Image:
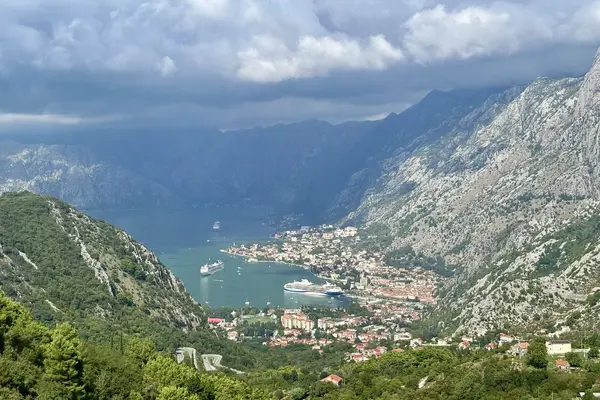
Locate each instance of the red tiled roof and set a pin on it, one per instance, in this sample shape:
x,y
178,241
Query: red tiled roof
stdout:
x,y
562,363
332,378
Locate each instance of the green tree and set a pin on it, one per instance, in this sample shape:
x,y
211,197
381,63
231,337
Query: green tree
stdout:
x,y
141,350
63,363
593,352
574,359
164,371
176,393
537,354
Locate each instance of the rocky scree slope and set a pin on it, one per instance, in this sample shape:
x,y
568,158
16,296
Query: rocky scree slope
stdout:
x,y
65,265
513,169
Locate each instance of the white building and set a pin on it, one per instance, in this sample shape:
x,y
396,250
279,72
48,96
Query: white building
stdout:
x,y
558,347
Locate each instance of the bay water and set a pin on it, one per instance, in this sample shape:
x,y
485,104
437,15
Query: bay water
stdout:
x,y
184,240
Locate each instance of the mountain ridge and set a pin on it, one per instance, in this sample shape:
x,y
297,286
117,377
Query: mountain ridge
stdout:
x,y
65,265
471,176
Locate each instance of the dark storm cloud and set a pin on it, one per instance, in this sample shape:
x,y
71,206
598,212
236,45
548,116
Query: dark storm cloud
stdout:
x,y
246,62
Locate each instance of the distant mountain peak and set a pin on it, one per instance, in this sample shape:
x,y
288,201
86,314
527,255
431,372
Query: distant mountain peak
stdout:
x,y
589,94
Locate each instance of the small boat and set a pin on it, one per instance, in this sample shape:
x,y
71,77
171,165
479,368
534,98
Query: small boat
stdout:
x,y
247,303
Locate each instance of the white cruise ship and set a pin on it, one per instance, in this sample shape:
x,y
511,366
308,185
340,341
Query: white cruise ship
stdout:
x,y
209,269
309,288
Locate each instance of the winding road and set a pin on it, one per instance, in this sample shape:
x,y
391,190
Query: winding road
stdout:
x,y
191,353
211,362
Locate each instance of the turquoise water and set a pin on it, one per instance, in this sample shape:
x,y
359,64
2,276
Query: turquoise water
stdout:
x,y
184,240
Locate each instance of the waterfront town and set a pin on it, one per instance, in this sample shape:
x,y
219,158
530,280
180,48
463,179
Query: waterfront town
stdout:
x,y
390,299
381,329
335,254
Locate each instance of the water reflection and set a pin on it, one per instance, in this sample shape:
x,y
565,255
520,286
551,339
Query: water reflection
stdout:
x,y
292,300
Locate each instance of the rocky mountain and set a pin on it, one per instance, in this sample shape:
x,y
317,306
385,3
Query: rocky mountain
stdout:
x,y
502,195
276,167
475,178
313,167
77,174
65,265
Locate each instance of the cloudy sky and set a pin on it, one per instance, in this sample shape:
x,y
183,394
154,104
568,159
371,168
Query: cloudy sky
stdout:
x,y
239,63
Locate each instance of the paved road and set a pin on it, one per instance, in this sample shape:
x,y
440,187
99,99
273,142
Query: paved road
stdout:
x,y
192,354
213,361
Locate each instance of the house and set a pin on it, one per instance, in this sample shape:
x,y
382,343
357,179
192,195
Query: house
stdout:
x,y
519,349
558,347
215,321
490,346
561,365
463,345
467,339
504,338
333,379
398,337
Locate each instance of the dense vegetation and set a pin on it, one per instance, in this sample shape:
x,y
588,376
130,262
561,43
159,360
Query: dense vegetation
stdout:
x,y
86,339
55,364
38,362
57,285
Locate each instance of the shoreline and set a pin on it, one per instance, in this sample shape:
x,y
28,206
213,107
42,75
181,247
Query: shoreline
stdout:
x,y
306,267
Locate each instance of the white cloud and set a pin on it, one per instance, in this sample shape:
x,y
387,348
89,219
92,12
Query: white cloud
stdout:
x,y
210,8
439,34
584,26
167,66
269,59
83,57
55,119
314,37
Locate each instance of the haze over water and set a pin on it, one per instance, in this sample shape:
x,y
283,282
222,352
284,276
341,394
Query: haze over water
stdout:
x,y
184,240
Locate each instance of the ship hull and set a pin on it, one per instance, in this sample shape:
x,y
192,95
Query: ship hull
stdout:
x,y
209,273
207,270
311,293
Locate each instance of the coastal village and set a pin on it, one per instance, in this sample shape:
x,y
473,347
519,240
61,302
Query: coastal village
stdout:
x,y
390,298
335,254
381,330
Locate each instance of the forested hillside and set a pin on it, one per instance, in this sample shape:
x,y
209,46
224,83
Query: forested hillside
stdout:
x,y
41,363
66,266
106,316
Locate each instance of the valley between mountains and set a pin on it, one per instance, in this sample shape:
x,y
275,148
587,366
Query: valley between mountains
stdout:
x,y
503,184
